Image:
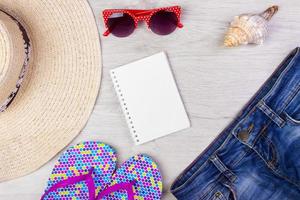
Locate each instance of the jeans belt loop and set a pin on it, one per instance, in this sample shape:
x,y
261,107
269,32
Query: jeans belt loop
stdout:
x,y
222,168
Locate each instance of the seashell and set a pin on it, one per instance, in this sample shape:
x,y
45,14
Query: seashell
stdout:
x,y
249,28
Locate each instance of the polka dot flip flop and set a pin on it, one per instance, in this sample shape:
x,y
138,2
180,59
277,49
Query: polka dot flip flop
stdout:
x,y
81,172
137,179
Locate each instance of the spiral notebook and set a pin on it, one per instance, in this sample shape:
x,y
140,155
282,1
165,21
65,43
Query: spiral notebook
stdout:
x,y
149,98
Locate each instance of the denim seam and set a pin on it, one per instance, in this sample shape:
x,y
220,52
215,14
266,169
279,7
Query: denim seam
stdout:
x,y
291,119
240,158
191,177
211,188
223,144
231,188
290,98
275,171
222,168
234,193
274,152
296,183
246,144
296,90
271,114
207,191
274,161
261,132
290,64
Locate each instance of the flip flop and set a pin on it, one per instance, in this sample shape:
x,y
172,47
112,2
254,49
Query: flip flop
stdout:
x,y
81,172
137,179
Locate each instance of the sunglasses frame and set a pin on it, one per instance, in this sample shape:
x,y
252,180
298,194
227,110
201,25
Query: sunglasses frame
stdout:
x,y
141,15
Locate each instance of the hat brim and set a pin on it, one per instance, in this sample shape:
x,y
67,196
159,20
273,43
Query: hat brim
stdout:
x,y
61,86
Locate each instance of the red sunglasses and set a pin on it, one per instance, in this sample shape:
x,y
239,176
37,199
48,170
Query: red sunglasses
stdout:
x,y
122,22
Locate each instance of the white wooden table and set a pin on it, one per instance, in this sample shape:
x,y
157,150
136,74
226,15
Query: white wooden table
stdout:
x,y
214,82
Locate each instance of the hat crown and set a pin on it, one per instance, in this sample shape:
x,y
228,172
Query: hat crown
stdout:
x,y
12,55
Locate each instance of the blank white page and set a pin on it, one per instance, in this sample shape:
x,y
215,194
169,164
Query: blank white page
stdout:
x,y
150,99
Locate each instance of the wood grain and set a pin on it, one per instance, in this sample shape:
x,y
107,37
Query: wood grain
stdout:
x,y
214,82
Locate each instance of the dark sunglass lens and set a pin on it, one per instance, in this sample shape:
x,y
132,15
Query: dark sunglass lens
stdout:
x,y
120,24
163,22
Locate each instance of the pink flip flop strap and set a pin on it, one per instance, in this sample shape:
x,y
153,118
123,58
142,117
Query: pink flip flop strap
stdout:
x,y
73,180
91,186
120,186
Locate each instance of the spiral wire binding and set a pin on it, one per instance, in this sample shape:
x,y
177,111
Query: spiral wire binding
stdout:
x,y
125,106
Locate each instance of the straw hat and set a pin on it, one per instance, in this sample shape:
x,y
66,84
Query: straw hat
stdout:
x,y
50,71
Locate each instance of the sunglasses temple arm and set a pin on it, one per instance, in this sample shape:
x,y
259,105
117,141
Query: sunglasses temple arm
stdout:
x,y
106,33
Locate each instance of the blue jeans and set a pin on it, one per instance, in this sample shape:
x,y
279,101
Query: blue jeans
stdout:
x,y
257,156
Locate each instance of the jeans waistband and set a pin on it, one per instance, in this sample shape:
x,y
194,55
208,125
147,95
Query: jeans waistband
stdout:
x,y
287,84
271,100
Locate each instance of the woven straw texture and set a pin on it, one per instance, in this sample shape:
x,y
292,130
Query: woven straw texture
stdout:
x,y
60,88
